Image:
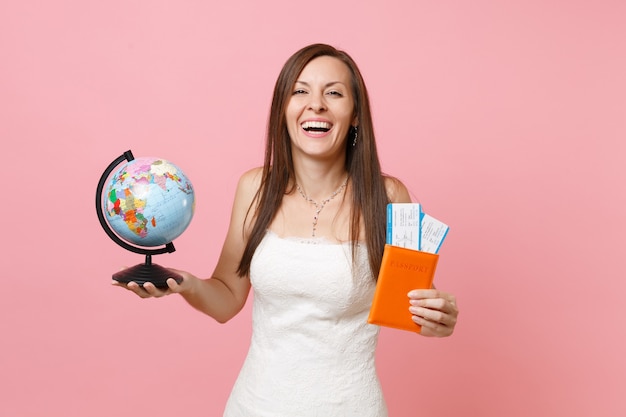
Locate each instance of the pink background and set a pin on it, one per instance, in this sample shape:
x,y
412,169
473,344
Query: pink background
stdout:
x,y
507,120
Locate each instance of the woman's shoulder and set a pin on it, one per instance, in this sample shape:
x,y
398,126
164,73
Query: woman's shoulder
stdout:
x,y
248,186
247,190
250,180
396,190
252,174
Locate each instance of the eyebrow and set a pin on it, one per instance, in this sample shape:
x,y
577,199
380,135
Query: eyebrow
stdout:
x,y
330,84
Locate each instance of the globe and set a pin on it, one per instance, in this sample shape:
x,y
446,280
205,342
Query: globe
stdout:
x,y
142,204
149,202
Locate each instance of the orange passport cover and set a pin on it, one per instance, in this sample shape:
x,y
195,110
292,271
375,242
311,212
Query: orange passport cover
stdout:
x,y
401,271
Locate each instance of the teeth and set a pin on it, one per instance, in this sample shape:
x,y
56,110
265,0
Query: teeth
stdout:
x,y
316,125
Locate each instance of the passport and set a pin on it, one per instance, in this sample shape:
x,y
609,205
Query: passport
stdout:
x,y
401,271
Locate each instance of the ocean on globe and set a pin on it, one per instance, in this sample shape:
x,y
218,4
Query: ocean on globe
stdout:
x,y
148,202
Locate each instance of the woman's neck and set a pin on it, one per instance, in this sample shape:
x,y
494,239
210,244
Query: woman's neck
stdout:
x,y
318,181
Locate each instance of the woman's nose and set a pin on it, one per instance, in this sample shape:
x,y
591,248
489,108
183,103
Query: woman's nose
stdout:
x,y
317,103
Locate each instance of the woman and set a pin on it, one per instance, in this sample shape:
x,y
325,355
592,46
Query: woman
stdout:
x,y
307,232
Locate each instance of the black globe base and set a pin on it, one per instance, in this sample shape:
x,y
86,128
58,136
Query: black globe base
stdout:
x,y
147,272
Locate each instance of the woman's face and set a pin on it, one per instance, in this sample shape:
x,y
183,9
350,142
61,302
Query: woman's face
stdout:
x,y
320,110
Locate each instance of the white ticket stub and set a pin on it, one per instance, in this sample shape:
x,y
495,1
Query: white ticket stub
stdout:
x,y
403,225
433,232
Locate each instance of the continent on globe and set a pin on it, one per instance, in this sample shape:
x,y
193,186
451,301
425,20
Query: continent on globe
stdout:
x,y
149,202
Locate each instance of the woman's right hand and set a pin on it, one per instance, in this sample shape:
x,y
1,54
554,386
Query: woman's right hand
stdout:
x,y
149,290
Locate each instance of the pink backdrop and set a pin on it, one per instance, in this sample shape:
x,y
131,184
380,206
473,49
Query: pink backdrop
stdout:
x,y
507,120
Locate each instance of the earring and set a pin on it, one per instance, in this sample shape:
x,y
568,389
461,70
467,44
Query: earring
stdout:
x,y
356,135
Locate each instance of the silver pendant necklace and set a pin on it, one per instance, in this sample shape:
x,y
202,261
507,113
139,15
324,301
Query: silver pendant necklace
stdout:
x,y
320,206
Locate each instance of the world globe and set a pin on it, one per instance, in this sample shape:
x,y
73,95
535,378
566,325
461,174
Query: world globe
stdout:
x,y
142,204
149,202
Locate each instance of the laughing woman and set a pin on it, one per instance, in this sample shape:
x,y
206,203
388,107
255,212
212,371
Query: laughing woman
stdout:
x,y
306,234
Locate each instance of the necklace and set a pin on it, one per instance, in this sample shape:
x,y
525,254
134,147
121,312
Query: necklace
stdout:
x,y
320,206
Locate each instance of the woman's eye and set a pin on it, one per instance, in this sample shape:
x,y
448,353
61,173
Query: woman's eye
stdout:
x,y
335,93
299,92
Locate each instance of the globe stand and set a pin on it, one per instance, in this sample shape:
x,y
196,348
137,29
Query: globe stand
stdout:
x,y
141,273
147,272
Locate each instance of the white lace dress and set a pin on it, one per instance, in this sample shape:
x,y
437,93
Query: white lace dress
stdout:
x,y
312,350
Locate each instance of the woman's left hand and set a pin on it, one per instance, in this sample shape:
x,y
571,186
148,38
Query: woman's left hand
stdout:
x,y
436,311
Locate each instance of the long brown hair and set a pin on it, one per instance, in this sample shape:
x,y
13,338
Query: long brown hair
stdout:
x,y
369,197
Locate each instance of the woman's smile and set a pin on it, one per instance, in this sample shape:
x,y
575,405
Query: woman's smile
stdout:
x,y
316,128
